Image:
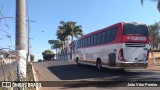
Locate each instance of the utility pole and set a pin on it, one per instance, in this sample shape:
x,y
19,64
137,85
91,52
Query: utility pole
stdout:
x,y
29,38
21,36
28,56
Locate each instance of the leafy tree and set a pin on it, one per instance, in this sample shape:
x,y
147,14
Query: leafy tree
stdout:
x,y
48,55
61,32
40,60
154,34
57,45
158,4
69,29
32,58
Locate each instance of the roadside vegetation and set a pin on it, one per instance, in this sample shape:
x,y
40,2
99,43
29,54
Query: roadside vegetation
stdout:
x,y
30,76
48,55
67,32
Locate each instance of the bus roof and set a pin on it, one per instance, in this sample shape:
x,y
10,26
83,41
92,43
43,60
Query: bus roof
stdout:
x,y
94,32
97,31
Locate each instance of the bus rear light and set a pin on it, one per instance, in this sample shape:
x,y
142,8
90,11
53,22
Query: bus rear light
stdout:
x,y
120,55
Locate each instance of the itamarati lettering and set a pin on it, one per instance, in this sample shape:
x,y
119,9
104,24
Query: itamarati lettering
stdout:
x,y
137,38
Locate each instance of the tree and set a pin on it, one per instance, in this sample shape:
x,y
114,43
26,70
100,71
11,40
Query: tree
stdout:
x,y
154,34
74,30
69,29
158,4
57,45
48,55
61,32
40,60
32,58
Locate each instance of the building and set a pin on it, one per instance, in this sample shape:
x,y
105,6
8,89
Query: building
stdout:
x,y
7,57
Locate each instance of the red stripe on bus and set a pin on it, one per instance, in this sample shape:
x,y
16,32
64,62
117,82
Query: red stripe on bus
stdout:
x,y
101,30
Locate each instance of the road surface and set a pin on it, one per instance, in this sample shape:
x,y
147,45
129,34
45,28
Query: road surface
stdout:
x,y
69,71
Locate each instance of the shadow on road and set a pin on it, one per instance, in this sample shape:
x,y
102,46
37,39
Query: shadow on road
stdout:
x,y
73,72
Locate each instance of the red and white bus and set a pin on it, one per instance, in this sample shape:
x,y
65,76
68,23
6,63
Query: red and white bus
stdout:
x,y
122,45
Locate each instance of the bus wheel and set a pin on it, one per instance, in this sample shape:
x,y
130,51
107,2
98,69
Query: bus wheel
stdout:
x,y
77,61
99,64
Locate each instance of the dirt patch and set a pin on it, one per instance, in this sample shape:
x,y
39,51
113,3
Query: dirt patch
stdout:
x,y
151,63
155,54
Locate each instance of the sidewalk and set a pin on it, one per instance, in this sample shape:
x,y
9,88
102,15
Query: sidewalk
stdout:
x,y
151,64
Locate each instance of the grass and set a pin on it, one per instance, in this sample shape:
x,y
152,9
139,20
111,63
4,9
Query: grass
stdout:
x,y
30,76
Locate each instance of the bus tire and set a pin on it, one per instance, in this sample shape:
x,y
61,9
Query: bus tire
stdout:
x,y
77,61
99,64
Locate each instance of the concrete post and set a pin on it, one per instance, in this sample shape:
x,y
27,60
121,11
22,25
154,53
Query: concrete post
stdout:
x,y
21,36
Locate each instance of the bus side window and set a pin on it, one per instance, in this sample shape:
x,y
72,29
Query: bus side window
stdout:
x,y
108,33
113,33
103,37
99,38
79,43
92,40
86,42
89,41
95,39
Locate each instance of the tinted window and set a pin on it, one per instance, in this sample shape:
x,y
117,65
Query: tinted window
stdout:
x,y
113,33
99,38
108,35
95,39
83,42
103,37
78,43
86,42
89,41
135,29
92,40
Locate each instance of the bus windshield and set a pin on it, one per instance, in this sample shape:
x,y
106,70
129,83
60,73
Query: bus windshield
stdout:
x,y
135,29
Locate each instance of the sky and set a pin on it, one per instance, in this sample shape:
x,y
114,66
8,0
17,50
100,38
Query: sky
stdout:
x,y
92,15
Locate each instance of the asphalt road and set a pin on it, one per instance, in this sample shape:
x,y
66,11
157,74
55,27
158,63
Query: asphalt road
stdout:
x,y
89,77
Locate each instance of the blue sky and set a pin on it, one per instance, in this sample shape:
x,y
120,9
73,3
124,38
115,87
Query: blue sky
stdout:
x,y
91,14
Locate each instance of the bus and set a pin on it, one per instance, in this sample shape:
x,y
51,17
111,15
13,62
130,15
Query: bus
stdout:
x,y
124,45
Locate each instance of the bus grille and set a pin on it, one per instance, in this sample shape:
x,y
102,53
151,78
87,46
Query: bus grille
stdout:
x,y
135,45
